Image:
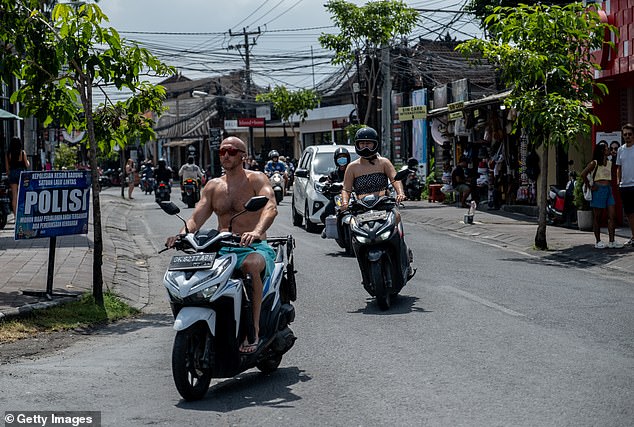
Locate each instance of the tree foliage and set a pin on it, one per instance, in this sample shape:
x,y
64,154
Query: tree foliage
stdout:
x,y
483,8
65,157
363,32
288,104
60,59
544,53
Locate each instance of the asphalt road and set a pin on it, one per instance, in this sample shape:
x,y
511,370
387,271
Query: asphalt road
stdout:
x,y
482,336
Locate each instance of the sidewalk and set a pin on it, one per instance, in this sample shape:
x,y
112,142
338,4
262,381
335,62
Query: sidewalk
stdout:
x,y
516,231
25,262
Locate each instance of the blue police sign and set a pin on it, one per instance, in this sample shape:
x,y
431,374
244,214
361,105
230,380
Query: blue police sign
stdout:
x,y
52,203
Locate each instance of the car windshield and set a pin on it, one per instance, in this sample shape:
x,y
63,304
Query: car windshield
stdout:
x,y
324,162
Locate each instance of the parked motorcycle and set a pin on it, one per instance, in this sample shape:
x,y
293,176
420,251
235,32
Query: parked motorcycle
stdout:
x,y
162,192
559,207
190,192
384,259
104,180
277,182
211,303
5,201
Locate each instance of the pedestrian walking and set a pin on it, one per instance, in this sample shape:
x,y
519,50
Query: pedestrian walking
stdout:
x,y
625,175
602,198
130,174
15,162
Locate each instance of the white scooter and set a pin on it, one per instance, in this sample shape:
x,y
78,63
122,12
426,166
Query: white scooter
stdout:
x,y
211,301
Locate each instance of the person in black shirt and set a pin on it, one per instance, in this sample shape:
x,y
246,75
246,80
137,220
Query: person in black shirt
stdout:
x,y
342,159
459,182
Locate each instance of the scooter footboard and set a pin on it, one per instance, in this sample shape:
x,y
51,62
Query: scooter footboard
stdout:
x,y
187,316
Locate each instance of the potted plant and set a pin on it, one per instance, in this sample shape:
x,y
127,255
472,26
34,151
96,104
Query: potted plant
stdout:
x,y
584,212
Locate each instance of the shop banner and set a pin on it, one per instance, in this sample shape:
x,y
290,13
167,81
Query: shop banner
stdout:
x,y
419,132
52,203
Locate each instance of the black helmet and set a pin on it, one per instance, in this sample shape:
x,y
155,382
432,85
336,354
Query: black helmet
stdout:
x,y
366,134
341,152
412,163
161,163
273,153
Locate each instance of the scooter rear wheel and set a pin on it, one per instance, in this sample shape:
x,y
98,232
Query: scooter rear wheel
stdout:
x,y
189,369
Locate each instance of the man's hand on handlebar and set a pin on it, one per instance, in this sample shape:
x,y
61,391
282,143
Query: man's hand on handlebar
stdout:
x,y
172,240
400,198
249,237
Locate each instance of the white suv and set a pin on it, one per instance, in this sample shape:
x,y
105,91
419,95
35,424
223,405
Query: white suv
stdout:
x,y
308,201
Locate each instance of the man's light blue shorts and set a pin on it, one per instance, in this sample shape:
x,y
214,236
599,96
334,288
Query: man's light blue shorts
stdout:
x,y
261,248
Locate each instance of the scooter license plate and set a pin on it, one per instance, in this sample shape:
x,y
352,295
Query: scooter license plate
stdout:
x,y
192,262
372,216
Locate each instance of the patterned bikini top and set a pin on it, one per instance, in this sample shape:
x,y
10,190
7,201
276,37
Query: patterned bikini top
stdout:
x,y
371,183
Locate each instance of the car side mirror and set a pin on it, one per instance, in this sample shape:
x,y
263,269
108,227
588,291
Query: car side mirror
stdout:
x,y
301,173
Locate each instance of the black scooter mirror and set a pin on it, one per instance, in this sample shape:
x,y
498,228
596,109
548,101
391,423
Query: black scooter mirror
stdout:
x,y
170,208
402,174
256,203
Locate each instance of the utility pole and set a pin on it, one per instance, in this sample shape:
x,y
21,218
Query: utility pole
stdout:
x,y
386,104
246,46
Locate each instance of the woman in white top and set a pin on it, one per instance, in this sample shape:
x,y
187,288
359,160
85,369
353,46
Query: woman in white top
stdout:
x,y
602,198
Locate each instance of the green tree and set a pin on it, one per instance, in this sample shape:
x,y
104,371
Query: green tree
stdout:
x,y
65,157
483,8
60,61
288,104
365,31
544,53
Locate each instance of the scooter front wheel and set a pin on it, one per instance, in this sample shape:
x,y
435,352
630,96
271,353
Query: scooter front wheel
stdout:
x,y
382,293
191,372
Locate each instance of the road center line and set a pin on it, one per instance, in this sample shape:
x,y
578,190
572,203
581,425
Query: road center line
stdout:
x,y
483,301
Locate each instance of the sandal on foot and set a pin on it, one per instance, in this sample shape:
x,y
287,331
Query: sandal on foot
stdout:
x,y
248,348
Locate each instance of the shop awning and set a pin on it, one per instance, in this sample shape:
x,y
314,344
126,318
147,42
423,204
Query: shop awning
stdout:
x,y
180,143
491,99
6,115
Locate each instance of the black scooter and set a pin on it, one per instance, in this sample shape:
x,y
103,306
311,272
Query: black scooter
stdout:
x,y
377,239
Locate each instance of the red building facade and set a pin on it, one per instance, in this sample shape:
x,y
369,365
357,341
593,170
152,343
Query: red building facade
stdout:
x,y
617,108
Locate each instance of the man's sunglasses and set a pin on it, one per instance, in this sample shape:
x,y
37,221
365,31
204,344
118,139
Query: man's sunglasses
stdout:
x,y
231,151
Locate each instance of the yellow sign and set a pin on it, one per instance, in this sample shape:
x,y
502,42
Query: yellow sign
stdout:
x,y
411,113
455,106
455,115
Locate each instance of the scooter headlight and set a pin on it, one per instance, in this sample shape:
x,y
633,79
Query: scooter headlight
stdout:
x,y
362,239
385,235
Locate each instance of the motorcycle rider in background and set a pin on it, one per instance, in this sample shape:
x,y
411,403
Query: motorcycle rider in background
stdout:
x,y
190,170
342,159
274,165
163,173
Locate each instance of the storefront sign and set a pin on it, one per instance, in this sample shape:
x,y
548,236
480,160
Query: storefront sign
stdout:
x,y
252,122
456,115
340,124
53,203
232,124
410,113
455,106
